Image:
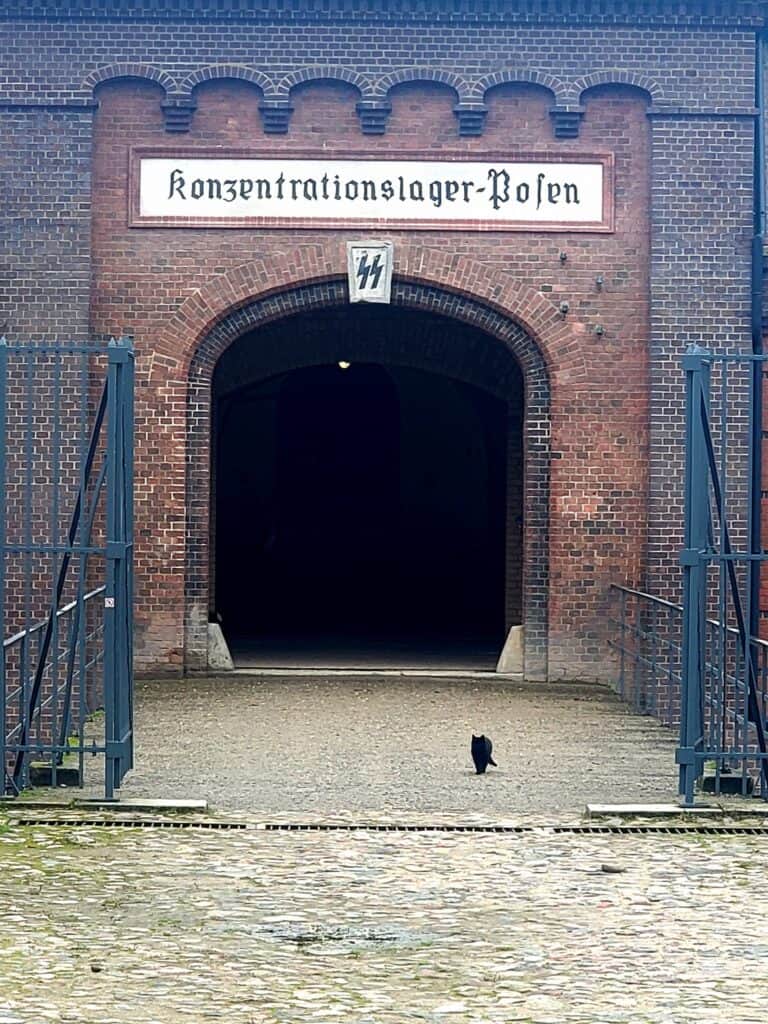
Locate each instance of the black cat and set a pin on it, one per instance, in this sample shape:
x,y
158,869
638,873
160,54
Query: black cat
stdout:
x,y
481,753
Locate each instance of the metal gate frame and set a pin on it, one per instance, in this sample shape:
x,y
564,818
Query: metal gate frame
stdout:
x,y
47,667
724,679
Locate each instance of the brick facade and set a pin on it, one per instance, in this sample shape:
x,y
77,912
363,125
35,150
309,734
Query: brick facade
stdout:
x,y
602,381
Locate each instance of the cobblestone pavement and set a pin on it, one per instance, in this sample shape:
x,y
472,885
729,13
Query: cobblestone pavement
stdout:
x,y
322,745
125,926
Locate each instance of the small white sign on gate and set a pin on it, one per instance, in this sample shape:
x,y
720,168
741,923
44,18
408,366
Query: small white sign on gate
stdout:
x,y
369,271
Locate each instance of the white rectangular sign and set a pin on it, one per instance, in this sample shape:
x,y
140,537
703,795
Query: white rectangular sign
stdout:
x,y
499,194
369,271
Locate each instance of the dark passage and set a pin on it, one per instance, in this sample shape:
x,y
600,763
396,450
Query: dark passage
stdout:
x,y
360,517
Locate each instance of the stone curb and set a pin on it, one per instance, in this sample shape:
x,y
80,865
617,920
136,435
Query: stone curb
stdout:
x,y
85,803
141,805
675,811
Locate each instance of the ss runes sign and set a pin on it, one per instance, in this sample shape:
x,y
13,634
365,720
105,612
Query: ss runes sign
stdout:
x,y
369,270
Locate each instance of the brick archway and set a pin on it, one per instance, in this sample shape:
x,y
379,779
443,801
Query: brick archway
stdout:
x,y
508,344
556,337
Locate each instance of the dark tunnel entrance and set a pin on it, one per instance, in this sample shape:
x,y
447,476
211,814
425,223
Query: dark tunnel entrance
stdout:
x,y
367,514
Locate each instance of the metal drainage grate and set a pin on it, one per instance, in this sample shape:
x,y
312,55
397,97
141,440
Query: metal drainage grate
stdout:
x,y
628,829
130,823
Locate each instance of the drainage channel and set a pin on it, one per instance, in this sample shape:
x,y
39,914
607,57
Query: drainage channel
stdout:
x,y
229,826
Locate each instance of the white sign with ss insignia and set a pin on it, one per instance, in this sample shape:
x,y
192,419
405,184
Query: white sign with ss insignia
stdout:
x,y
369,270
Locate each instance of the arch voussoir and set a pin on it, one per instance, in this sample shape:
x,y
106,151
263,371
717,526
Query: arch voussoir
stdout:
x,y
306,265
522,323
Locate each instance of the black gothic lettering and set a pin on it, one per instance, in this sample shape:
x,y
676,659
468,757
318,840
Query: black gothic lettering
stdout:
x,y
177,184
571,193
499,187
539,186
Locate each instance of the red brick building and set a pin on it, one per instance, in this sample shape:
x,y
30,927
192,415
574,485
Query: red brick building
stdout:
x,y
505,443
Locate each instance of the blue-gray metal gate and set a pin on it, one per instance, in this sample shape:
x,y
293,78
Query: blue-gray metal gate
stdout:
x,y
724,677
66,554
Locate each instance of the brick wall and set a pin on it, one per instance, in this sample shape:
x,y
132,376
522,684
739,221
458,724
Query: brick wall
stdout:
x,y
141,276
713,65
231,81
45,162
700,293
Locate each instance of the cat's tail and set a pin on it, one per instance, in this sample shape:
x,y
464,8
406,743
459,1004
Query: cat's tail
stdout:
x,y
491,761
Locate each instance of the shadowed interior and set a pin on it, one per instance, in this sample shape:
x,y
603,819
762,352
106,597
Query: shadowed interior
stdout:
x,y
362,511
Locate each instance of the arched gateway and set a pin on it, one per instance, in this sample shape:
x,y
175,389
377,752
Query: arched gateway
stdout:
x,y
416,479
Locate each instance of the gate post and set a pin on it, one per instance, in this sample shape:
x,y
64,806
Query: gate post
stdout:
x,y
118,594
694,558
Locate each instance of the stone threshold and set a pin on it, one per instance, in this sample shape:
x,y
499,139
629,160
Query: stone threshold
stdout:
x,y
406,673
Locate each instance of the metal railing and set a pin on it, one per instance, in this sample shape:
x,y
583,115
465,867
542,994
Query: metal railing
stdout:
x,y
66,553
649,652
649,676
53,725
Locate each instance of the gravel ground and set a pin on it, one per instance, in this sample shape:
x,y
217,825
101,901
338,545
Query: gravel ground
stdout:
x,y
160,927
307,744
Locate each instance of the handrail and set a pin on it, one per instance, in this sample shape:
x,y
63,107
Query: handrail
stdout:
x,y
647,597
678,607
31,630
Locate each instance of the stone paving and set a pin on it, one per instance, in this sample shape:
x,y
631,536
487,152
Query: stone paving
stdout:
x,y
104,925
124,926
319,744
